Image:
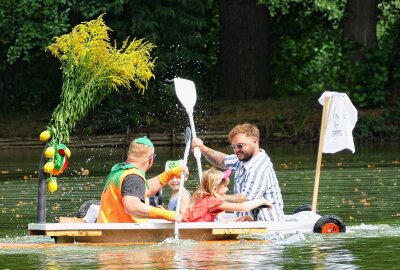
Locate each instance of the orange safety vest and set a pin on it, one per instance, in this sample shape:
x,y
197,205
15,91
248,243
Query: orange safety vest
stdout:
x,y
111,206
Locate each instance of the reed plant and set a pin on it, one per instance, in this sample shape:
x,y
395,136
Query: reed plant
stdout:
x,y
92,68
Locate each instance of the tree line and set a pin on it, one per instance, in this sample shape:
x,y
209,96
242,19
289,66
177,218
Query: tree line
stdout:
x,y
232,49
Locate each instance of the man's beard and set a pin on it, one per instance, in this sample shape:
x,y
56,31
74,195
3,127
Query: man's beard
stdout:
x,y
246,157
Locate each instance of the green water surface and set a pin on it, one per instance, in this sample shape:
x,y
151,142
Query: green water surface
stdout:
x,y
361,188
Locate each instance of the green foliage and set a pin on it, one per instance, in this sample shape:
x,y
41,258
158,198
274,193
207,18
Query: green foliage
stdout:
x,y
186,34
93,8
333,8
28,25
307,50
380,127
389,16
92,68
365,79
311,57
305,42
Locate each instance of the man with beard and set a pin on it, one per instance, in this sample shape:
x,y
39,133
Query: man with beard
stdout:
x,y
254,173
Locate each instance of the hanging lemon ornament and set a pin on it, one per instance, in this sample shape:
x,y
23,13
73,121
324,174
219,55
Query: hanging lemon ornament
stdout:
x,y
49,167
45,136
50,151
52,185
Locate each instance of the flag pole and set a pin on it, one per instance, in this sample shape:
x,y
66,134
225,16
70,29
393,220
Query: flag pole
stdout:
x,y
319,157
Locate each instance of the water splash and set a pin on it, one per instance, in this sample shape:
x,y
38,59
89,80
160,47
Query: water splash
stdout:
x,y
178,242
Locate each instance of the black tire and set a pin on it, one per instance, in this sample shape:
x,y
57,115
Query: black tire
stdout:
x,y
306,207
329,224
85,207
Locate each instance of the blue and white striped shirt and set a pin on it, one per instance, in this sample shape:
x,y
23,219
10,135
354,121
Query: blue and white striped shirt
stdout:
x,y
256,179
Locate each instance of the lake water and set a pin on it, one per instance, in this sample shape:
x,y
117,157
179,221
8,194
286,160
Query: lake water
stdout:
x,y
361,188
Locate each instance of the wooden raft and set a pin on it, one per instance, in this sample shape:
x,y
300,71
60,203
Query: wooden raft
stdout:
x,y
144,232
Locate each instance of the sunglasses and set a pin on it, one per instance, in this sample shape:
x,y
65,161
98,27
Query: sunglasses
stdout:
x,y
239,145
153,156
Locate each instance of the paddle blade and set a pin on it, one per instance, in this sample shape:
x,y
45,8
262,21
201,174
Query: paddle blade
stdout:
x,y
186,93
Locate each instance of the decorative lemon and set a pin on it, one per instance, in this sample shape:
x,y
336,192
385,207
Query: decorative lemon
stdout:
x,y
67,152
48,167
50,151
45,136
52,185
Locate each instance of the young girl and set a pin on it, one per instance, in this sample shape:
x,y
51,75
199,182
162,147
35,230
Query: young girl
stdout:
x,y
174,185
207,202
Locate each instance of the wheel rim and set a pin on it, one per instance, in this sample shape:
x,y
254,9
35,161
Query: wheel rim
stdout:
x,y
330,228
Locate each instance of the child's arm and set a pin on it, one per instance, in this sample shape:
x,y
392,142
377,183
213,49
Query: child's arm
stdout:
x,y
235,198
185,200
244,206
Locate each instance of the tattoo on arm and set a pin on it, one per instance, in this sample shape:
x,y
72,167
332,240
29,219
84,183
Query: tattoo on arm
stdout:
x,y
216,158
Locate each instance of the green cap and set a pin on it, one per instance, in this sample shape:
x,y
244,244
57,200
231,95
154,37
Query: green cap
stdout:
x,y
144,140
173,163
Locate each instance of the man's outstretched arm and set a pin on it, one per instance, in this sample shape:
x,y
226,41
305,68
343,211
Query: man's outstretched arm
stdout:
x,y
216,158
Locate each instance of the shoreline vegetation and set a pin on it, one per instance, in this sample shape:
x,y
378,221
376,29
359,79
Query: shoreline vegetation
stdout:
x,y
288,121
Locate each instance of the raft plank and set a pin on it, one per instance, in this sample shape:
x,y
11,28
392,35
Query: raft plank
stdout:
x,y
154,225
148,232
238,231
74,233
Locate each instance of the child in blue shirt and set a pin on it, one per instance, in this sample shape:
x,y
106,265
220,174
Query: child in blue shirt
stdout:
x,y
174,184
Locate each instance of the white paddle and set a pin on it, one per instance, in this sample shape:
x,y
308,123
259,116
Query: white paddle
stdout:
x,y
183,176
186,93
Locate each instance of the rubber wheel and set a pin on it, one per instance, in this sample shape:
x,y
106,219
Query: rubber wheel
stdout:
x,y
306,207
329,224
85,207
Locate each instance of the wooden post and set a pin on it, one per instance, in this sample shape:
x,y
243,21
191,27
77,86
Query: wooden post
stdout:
x,y
319,157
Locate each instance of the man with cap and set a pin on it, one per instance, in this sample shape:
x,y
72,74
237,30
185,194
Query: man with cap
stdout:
x,y
126,192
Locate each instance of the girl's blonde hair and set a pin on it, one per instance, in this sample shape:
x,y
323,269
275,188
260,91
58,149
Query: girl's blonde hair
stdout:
x,y
209,183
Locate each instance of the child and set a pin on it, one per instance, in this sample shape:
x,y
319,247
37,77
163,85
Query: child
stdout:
x,y
207,202
174,185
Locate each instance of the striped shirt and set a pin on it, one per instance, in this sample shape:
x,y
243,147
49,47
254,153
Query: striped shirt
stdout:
x,y
256,179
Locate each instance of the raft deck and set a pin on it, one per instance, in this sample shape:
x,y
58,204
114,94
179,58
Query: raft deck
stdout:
x,y
143,232
157,231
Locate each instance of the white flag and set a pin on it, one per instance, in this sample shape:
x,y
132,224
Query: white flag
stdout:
x,y
342,117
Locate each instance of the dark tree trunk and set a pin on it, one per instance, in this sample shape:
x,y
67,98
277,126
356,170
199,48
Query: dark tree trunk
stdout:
x,y
359,25
244,64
